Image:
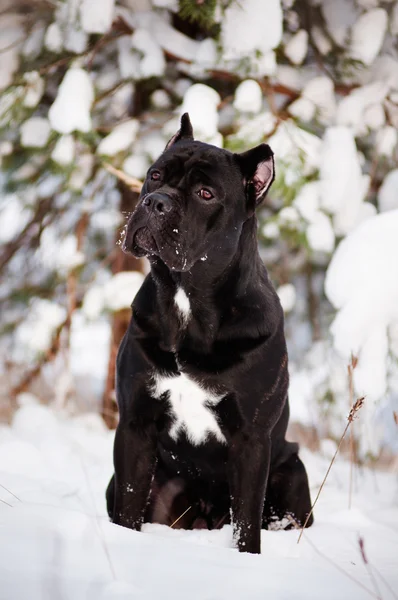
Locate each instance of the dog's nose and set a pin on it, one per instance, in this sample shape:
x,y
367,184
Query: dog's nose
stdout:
x,y
158,202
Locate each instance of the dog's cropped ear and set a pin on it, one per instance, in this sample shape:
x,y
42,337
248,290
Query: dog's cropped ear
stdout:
x,y
184,133
258,170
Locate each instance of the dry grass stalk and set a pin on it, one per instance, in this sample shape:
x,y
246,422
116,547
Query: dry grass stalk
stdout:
x,y
353,412
351,367
180,517
395,417
134,184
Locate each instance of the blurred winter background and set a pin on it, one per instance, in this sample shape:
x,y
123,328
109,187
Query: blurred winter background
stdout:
x,y
91,90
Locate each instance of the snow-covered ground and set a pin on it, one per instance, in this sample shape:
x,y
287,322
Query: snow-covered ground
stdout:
x,y
57,543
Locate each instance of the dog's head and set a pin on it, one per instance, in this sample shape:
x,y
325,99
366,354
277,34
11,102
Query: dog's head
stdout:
x,y
195,199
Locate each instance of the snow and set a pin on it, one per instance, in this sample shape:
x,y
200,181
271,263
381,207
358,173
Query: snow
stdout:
x,y
339,16
394,20
317,97
34,89
343,187
121,137
14,215
271,230
287,296
367,35
95,19
291,145
53,38
33,336
56,253
64,150
350,111
152,145
116,294
388,193
386,140
360,286
307,200
71,108
248,97
320,234
58,540
11,39
33,43
121,289
297,47
161,99
247,28
172,41
136,165
35,132
252,131
152,63
201,102
75,40
128,61
321,41
82,171
374,116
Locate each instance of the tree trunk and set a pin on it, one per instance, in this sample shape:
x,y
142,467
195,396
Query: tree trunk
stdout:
x,y
122,262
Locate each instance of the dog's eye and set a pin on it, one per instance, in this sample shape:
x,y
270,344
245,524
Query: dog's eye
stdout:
x,y
205,194
155,175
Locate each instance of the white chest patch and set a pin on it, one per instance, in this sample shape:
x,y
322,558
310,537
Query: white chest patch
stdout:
x,y
182,302
190,406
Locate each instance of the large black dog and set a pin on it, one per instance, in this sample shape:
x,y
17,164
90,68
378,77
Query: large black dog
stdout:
x,y
202,373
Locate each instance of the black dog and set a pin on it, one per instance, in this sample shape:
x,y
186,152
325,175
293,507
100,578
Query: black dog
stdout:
x,y
202,376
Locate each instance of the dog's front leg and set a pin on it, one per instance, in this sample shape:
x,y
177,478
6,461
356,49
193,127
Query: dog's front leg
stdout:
x,y
135,462
248,468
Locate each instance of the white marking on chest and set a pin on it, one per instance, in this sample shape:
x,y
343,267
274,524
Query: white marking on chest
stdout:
x,y
182,302
190,406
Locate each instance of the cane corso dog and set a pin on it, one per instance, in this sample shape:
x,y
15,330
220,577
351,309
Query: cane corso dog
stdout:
x,y
202,371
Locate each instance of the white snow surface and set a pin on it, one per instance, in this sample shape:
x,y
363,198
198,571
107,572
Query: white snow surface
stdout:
x,y
361,285
152,63
247,28
367,35
96,18
33,336
388,192
116,294
11,39
297,47
71,108
120,138
287,296
56,540
34,89
35,132
64,150
343,186
201,102
248,97
386,140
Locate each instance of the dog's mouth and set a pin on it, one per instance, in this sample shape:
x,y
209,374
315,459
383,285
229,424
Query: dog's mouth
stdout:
x,y
144,240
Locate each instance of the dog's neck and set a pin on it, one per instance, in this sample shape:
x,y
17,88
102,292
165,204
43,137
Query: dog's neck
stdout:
x,y
209,274
202,296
